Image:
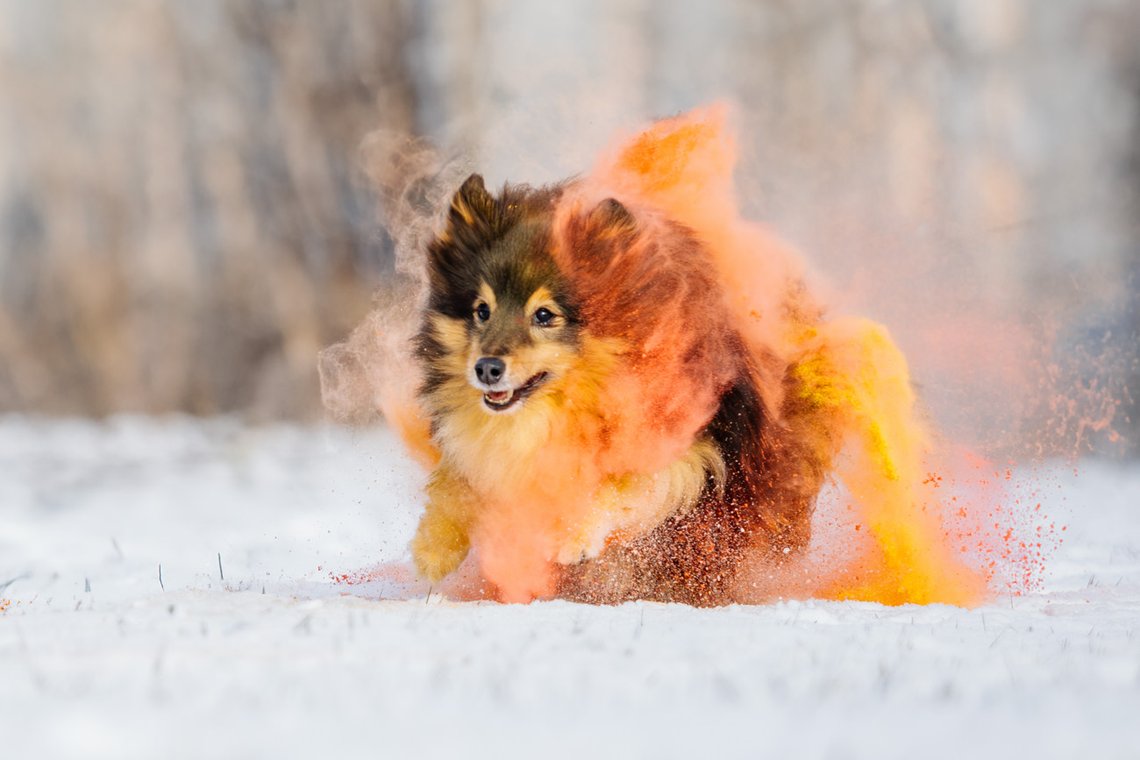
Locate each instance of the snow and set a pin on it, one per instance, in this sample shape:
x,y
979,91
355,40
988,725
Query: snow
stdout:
x,y
279,660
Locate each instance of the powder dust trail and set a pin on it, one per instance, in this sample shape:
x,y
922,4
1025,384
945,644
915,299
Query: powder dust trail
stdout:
x,y
373,371
399,581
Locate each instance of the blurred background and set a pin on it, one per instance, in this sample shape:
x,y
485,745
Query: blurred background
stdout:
x,y
185,219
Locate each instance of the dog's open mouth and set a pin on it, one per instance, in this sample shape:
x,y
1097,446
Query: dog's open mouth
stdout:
x,y
502,400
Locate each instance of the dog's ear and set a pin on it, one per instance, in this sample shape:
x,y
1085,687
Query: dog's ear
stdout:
x,y
471,219
610,220
473,212
595,237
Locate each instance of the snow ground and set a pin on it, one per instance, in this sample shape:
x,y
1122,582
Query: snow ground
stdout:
x,y
277,660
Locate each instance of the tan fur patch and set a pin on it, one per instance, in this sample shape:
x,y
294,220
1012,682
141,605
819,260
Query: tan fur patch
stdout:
x,y
451,333
544,299
487,295
459,205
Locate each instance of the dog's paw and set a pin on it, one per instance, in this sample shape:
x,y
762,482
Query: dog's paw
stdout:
x,y
586,544
438,549
437,565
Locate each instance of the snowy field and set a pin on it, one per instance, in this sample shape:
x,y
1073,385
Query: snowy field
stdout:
x,y
276,659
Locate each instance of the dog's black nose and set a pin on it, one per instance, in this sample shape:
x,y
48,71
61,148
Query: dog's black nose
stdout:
x,y
489,370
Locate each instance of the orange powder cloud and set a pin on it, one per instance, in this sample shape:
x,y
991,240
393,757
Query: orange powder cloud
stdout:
x,y
683,167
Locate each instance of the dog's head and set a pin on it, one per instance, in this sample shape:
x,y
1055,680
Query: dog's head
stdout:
x,y
502,325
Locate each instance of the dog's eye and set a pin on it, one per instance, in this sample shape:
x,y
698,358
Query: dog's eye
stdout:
x,y
483,312
543,317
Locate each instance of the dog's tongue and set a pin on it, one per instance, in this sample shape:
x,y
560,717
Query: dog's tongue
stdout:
x,y
499,397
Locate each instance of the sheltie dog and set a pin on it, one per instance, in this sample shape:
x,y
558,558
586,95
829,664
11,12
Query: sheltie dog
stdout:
x,y
540,320
624,390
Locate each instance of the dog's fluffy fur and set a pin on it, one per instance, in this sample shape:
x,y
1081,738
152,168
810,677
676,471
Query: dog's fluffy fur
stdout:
x,y
746,483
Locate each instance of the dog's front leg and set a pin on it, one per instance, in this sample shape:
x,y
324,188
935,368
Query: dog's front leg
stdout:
x,y
632,505
442,539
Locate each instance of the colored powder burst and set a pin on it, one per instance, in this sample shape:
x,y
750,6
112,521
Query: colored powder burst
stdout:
x,y
996,521
849,367
858,372
904,522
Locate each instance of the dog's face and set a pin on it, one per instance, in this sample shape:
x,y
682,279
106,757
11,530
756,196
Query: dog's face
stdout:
x,y
502,328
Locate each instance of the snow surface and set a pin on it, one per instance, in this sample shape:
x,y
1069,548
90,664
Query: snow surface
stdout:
x,y
97,659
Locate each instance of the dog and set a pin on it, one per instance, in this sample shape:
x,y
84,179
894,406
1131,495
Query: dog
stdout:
x,y
554,326
621,389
